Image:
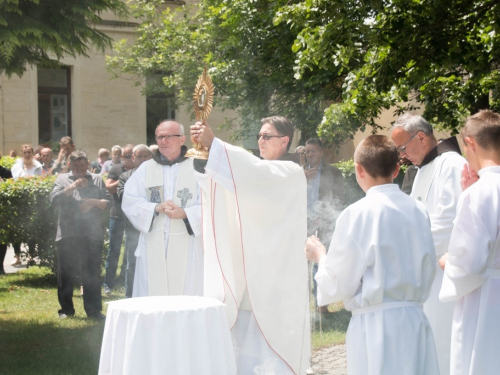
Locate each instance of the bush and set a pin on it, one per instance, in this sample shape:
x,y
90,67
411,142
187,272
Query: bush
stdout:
x,y
7,161
26,216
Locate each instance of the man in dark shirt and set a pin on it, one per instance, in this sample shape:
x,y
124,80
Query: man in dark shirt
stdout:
x,y
116,219
80,197
142,153
67,147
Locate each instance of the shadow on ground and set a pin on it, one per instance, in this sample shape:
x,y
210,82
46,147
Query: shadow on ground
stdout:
x,y
56,349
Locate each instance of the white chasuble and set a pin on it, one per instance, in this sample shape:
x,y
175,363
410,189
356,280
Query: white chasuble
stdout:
x,y
437,186
472,278
169,260
254,230
381,265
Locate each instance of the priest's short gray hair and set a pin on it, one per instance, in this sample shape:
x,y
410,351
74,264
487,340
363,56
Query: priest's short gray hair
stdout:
x,y
181,127
413,124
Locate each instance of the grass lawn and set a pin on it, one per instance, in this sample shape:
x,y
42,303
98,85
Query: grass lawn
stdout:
x,y
33,340
330,328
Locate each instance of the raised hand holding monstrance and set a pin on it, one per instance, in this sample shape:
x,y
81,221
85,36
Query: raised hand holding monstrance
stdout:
x,y
203,98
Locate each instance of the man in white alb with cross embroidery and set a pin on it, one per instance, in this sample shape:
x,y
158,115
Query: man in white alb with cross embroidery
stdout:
x,y
161,200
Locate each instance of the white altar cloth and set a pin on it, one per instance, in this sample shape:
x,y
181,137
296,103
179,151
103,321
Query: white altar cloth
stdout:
x,y
167,335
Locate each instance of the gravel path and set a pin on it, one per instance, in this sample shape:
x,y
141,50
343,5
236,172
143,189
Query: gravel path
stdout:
x,y
330,361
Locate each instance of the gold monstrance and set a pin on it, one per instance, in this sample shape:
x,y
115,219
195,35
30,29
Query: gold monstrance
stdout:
x,y
203,99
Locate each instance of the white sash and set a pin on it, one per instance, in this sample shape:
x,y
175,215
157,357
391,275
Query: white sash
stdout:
x,y
166,277
423,181
385,306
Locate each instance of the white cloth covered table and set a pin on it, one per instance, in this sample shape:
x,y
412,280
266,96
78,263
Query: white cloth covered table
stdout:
x,y
167,335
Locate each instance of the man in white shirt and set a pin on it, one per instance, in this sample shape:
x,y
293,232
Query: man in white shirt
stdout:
x,y
437,186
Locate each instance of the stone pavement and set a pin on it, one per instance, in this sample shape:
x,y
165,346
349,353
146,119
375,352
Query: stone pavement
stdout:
x,y
330,361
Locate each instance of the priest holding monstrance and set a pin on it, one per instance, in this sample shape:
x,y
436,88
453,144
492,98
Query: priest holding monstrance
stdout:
x,y
162,200
254,227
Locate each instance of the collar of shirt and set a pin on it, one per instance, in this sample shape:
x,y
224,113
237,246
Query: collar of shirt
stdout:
x,y
492,169
384,188
160,159
450,144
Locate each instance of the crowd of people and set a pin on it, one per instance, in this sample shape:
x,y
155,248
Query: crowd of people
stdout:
x,y
417,268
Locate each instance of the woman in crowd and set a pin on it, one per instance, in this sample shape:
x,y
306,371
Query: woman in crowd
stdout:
x,y
27,165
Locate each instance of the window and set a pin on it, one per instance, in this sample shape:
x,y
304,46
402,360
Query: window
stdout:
x,y
54,104
159,105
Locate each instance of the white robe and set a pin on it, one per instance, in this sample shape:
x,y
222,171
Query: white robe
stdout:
x,y
440,197
382,253
254,230
472,278
140,212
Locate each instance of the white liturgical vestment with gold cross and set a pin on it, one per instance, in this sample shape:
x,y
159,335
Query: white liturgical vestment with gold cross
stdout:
x,y
169,260
254,231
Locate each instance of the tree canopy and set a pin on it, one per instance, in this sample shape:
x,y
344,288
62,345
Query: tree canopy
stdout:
x,y
332,66
250,59
41,32
443,55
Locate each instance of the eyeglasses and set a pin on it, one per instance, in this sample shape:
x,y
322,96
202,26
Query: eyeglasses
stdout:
x,y
168,137
402,148
127,156
267,137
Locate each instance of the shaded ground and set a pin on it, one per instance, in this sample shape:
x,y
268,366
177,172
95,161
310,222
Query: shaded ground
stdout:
x,y
35,341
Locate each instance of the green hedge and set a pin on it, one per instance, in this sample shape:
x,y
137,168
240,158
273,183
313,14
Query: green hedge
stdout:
x,y
26,216
7,161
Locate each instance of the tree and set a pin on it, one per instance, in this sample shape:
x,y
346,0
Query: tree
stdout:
x,y
41,32
332,66
441,54
250,60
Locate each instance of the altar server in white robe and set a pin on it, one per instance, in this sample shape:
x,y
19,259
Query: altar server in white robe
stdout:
x,y
162,200
254,229
437,186
472,268
381,264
